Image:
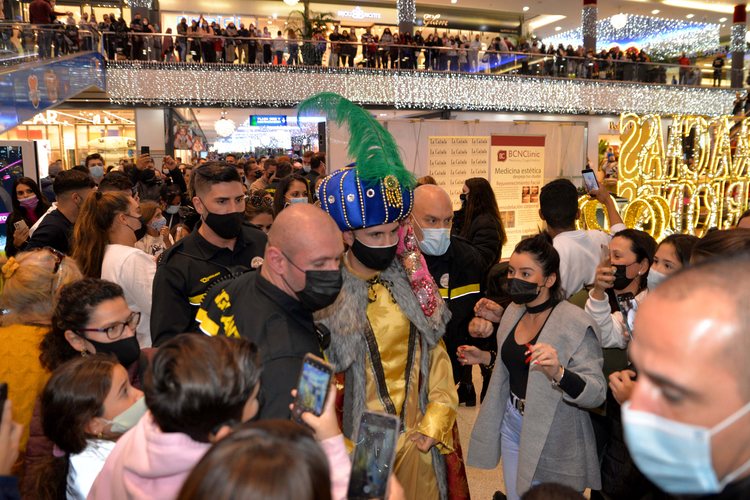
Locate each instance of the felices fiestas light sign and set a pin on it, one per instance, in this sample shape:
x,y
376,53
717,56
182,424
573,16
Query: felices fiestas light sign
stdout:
x,y
268,120
433,20
358,14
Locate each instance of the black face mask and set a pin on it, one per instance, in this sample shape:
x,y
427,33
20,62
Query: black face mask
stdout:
x,y
141,231
621,280
127,350
375,258
258,174
522,292
227,226
321,287
462,197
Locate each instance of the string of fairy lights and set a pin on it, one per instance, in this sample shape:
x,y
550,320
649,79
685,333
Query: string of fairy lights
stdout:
x,y
186,84
659,37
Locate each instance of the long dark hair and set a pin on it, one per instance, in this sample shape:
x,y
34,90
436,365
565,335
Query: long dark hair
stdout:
x,y
269,460
73,396
541,249
41,207
279,197
481,200
75,303
683,246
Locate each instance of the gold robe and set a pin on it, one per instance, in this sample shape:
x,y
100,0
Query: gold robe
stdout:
x,y
391,328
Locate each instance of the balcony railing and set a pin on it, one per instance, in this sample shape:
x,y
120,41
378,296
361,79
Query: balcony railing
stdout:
x,y
21,42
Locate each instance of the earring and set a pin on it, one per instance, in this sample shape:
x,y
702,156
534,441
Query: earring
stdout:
x,y
84,353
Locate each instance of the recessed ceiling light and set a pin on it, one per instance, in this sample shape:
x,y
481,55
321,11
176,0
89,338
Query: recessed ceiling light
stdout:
x,y
526,8
690,16
557,28
454,1
722,19
655,11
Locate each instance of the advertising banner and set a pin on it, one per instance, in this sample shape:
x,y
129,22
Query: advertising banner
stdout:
x,y
453,159
517,176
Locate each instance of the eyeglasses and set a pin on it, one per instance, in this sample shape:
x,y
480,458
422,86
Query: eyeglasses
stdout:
x,y
57,254
115,331
257,201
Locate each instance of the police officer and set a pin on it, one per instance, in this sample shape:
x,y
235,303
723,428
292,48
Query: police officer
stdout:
x,y
456,267
222,245
274,307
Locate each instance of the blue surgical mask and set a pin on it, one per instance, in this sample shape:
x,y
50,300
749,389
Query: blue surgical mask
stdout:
x,y
306,167
97,171
127,419
435,241
654,278
158,223
172,209
674,455
292,201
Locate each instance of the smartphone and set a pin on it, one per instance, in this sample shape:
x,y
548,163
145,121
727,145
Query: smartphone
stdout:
x,y
628,307
21,224
374,454
3,397
606,259
145,150
313,386
589,180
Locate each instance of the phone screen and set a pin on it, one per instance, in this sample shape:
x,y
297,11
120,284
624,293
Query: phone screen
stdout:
x,y
3,397
589,180
373,457
313,386
628,307
145,150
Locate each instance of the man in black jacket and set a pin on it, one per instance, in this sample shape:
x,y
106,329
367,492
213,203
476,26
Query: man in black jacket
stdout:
x,y
221,246
274,306
456,267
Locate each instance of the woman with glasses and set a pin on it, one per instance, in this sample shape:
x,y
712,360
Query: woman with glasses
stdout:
x,y
30,281
104,239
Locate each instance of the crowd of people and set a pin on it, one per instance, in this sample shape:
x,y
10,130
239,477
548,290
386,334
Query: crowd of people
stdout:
x,y
609,361
199,41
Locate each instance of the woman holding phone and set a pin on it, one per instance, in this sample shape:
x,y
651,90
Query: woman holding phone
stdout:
x,y
548,371
29,204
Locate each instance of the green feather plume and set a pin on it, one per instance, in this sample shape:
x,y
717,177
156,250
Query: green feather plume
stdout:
x,y
370,144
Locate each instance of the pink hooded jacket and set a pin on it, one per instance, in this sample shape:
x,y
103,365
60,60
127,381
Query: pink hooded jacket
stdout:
x,y
147,463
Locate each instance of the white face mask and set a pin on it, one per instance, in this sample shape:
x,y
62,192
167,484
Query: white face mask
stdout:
x,y
434,241
677,456
127,419
654,278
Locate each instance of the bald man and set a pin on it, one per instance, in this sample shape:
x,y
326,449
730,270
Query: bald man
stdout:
x,y
456,267
273,308
687,423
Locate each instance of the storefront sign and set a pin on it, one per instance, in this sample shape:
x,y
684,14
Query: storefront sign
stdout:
x,y
268,120
358,14
433,20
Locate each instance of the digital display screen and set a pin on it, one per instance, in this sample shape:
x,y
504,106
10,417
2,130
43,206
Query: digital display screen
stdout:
x,y
268,120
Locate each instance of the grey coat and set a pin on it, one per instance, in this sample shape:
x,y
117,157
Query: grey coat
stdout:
x,y
557,440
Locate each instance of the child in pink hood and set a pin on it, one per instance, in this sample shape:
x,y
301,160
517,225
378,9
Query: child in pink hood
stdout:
x,y
197,389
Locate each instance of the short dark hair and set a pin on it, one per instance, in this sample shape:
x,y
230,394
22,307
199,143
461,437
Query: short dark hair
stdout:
x,y
558,202
210,173
115,181
315,161
283,169
75,303
197,383
82,168
683,245
541,249
93,156
71,180
271,459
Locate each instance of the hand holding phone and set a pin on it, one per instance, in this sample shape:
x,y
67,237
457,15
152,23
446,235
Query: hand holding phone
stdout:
x,y
374,454
589,180
313,387
628,307
21,225
145,150
327,424
606,259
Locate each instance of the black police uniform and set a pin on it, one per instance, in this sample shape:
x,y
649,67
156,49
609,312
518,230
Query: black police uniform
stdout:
x,y
187,270
459,274
251,307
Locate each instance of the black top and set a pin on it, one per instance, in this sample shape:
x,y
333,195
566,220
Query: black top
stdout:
x,y
54,231
514,358
251,307
485,235
185,273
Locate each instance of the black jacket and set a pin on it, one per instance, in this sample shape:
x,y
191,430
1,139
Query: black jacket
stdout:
x,y
54,231
485,234
185,273
251,307
459,276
